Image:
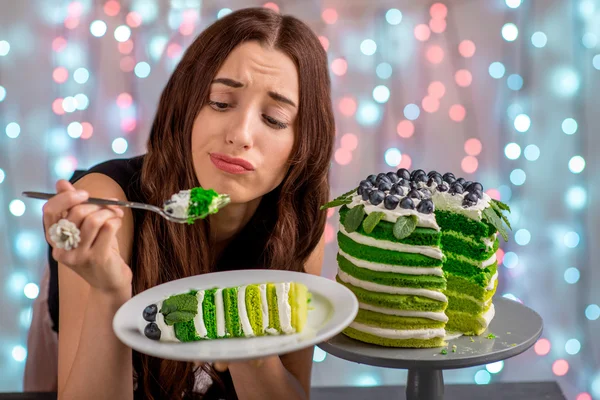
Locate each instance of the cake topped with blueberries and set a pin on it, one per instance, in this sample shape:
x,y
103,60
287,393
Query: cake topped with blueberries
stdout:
x,y
418,249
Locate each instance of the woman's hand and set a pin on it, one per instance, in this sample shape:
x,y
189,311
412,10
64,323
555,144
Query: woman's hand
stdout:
x,y
96,258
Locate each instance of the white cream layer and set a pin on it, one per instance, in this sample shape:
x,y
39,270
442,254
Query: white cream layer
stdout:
x,y
490,286
479,264
199,318
167,333
375,287
429,251
424,220
264,305
453,203
437,271
283,304
220,313
437,316
399,333
243,313
487,317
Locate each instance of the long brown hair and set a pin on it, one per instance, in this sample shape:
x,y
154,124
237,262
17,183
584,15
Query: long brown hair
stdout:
x,y
162,253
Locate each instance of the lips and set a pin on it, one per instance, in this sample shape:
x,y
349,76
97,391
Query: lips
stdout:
x,y
231,164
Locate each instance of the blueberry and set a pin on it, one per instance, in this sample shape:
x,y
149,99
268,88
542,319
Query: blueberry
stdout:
x,y
425,193
477,193
360,190
404,182
466,185
384,186
366,193
384,179
425,207
380,176
431,173
434,179
152,332
443,187
414,194
417,172
366,183
407,203
403,173
376,197
372,179
461,181
391,202
397,190
149,313
420,178
474,186
393,177
456,188
448,177
470,200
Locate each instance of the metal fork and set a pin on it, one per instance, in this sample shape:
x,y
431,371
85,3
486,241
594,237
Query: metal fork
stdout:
x,y
222,202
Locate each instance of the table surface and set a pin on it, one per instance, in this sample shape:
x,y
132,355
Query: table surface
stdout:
x,y
494,391
515,326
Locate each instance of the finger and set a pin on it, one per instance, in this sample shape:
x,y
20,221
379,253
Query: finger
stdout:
x,y
105,235
60,204
64,186
91,225
221,366
258,362
79,213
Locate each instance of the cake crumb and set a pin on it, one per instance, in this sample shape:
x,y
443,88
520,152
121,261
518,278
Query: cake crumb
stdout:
x,y
454,348
444,352
491,336
513,345
472,340
508,333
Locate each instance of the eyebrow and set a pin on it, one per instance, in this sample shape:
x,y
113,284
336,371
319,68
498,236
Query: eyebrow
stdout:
x,y
235,84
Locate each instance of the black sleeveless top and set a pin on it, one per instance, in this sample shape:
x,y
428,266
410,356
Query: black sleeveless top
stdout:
x,y
247,247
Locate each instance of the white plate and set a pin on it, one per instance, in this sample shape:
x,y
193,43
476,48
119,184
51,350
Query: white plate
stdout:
x,y
333,309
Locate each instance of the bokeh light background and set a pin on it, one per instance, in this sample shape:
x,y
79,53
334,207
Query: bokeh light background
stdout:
x,y
499,91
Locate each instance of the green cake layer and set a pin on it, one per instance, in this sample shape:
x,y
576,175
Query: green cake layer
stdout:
x,y
391,278
396,301
381,320
385,231
186,331
254,309
467,286
383,256
273,310
467,269
412,343
232,319
466,323
458,302
475,250
448,220
209,313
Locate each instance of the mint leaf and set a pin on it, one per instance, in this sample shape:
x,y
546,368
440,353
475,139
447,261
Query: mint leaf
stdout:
x,y
490,215
354,218
336,202
345,198
404,226
372,220
180,302
501,205
179,316
500,214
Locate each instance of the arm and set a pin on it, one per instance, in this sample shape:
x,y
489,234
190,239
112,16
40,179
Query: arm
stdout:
x,y
278,377
89,353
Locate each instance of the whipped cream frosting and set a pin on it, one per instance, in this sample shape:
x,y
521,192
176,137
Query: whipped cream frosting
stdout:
x,y
437,271
399,333
437,316
285,310
167,333
199,318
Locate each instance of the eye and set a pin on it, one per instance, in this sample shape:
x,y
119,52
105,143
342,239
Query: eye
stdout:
x,y
218,106
274,123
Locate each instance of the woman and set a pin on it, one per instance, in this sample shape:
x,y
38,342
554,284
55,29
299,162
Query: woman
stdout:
x,y
246,112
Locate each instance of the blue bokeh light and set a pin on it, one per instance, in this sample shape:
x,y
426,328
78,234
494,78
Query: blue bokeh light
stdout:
x,y
514,82
576,197
393,16
412,111
517,177
572,275
384,70
497,70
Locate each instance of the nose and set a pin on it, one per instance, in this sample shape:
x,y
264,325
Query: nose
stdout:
x,y
241,130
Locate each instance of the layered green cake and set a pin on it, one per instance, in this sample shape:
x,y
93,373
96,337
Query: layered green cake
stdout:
x,y
419,252
235,312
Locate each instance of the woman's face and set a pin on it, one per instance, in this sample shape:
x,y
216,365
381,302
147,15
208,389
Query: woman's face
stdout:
x,y
242,138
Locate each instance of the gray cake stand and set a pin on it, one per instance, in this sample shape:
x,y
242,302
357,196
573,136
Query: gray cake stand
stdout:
x,y
515,326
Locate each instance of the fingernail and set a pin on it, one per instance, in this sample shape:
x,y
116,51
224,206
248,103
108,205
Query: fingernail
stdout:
x,y
82,194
